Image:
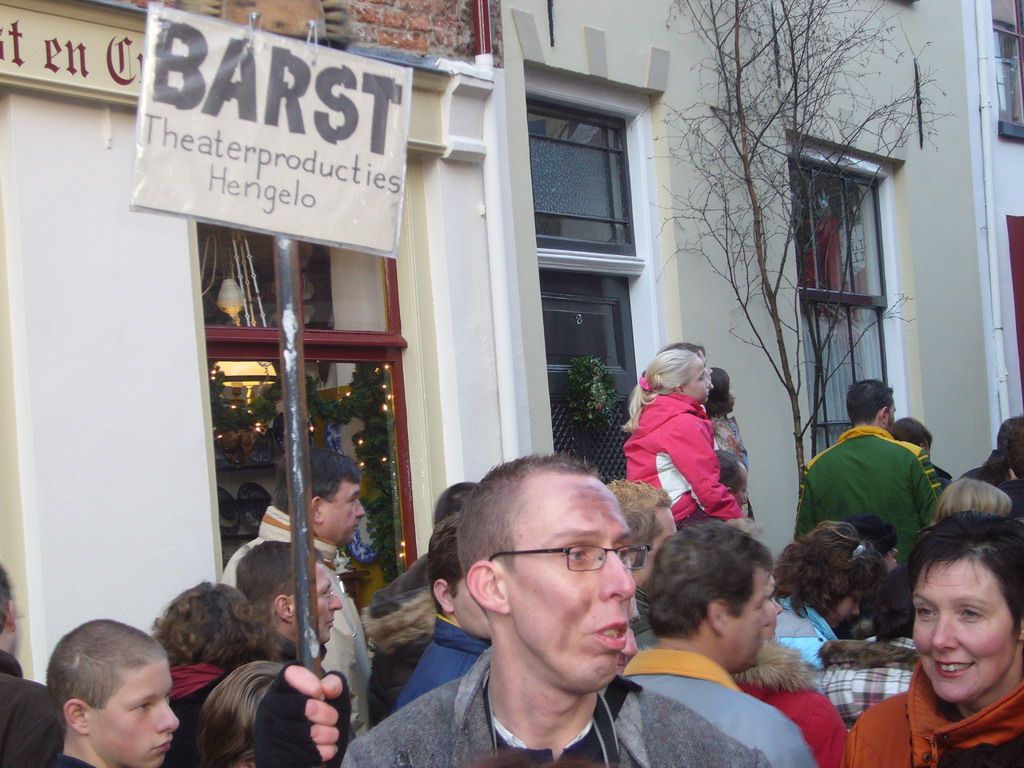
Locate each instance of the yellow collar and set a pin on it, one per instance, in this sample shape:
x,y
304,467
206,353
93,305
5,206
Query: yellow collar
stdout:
x,y
682,663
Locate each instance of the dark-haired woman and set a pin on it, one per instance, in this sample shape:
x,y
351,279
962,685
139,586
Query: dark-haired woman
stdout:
x,y
965,705
820,579
208,631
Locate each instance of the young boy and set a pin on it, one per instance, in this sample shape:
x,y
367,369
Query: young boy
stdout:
x,y
461,632
110,682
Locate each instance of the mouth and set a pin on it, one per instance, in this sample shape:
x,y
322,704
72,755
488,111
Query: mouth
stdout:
x,y
164,747
951,668
613,637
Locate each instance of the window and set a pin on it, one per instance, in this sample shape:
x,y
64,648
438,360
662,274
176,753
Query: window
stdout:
x,y
580,180
353,365
842,291
1008,37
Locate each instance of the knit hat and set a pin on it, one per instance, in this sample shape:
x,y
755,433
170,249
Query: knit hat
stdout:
x,y
876,530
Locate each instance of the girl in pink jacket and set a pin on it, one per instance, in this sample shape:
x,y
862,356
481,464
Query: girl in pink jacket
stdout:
x,y
671,443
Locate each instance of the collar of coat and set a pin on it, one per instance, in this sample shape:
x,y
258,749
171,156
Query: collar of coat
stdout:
x,y
660,661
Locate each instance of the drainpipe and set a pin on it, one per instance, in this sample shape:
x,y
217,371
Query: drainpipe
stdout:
x,y
982,28
494,138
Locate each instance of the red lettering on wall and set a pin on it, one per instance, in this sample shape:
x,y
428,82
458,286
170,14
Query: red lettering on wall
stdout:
x,y
15,36
54,49
119,60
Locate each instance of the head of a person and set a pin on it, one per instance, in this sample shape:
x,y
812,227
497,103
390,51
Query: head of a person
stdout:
x,y
334,489
882,535
448,584
213,624
266,578
829,569
714,583
8,623
894,606
733,475
721,399
870,403
109,684
967,575
648,513
225,734
968,494
673,371
534,541
1005,429
451,500
1015,450
910,430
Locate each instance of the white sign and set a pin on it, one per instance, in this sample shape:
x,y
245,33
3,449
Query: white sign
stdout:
x,y
265,132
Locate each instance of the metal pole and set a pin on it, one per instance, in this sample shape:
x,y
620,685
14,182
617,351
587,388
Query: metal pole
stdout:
x,y
296,447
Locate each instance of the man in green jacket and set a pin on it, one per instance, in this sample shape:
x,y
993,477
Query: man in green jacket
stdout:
x,y
868,472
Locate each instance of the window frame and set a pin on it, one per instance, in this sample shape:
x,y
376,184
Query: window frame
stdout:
x,y
554,108
1010,128
225,342
871,176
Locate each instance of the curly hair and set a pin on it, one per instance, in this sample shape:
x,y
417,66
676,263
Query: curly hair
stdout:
x,y
824,567
213,624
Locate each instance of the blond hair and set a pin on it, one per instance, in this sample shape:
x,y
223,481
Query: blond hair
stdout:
x,y
640,504
670,369
968,494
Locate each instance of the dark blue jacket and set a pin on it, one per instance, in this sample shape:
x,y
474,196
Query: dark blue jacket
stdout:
x,y
450,655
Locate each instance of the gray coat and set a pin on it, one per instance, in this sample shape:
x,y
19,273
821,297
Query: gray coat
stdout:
x,y
448,728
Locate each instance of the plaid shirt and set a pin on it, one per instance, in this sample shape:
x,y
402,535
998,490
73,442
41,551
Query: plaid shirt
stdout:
x,y
853,689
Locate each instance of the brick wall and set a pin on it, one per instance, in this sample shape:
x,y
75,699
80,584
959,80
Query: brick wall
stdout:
x,y
425,27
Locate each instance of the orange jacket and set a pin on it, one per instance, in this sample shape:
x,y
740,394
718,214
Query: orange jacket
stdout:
x,y
908,729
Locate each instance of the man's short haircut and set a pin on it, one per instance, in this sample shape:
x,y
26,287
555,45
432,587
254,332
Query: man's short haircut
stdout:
x,y
443,557
326,471
451,500
489,515
91,661
910,430
264,573
5,595
866,398
1015,449
1008,426
697,565
640,504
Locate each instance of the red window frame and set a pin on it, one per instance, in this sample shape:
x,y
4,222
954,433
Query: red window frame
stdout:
x,y
241,343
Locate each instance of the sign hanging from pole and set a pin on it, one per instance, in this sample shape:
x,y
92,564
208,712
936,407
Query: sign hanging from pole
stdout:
x,y
251,129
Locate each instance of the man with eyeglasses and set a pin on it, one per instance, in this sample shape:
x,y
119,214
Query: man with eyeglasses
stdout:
x,y
547,555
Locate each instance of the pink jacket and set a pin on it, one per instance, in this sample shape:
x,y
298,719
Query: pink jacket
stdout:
x,y
673,448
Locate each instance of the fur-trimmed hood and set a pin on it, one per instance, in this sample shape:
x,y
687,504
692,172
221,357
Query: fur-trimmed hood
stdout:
x,y
779,669
869,653
412,619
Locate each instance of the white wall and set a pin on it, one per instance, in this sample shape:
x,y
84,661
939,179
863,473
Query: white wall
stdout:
x,y
107,378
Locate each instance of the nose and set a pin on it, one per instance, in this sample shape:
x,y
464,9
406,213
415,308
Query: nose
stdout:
x,y
360,512
943,635
169,721
617,578
775,607
334,603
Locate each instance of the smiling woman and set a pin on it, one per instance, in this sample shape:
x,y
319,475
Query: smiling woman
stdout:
x,y
965,705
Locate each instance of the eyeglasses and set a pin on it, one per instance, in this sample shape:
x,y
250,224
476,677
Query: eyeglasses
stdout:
x,y
591,558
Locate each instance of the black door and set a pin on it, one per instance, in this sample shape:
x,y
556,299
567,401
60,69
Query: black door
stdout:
x,y
587,314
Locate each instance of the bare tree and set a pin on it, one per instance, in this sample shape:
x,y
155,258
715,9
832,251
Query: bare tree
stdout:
x,y
794,121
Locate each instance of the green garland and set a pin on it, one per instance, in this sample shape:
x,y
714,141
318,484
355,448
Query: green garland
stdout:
x,y
591,392
367,400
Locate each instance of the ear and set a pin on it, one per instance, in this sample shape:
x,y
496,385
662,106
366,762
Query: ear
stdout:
x,y
718,613
314,505
487,583
10,624
444,596
284,608
76,714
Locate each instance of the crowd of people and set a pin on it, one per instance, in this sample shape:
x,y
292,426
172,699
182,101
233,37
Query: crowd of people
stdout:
x,y
557,620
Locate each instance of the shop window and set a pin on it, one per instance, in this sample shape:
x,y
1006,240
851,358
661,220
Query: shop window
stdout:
x,y
580,180
354,388
842,291
1007,34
